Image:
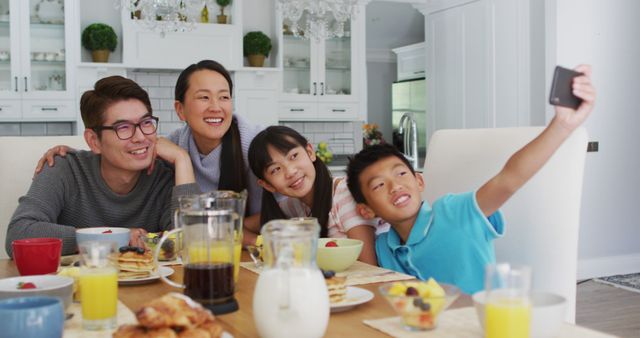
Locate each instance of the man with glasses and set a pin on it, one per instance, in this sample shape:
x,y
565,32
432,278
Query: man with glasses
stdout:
x,y
108,186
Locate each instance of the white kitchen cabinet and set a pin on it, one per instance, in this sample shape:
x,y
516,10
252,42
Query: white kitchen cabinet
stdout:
x,y
35,69
320,78
256,95
411,61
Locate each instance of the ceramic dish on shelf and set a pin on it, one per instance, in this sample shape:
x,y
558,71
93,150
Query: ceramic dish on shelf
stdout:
x,y
50,11
162,270
355,296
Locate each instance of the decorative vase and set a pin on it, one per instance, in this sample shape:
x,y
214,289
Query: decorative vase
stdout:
x,y
101,55
222,19
256,60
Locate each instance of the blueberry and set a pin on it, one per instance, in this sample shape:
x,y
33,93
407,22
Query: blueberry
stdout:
x,y
418,302
139,250
328,274
124,249
425,307
411,291
168,246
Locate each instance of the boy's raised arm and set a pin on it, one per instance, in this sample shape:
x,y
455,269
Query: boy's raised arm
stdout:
x,y
522,165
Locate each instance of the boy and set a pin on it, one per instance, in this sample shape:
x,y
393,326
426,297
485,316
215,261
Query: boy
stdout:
x,y
453,241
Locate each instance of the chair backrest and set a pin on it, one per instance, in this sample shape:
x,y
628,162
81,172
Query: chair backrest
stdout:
x,y
541,219
20,155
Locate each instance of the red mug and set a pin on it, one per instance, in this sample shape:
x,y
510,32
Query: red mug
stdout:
x,y
37,256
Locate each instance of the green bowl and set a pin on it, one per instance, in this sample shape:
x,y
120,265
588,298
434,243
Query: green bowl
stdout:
x,y
338,258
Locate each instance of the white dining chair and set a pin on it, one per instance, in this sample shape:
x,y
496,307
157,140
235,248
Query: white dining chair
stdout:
x,y
541,219
20,155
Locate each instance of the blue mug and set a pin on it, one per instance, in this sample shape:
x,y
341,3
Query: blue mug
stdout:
x,y
31,317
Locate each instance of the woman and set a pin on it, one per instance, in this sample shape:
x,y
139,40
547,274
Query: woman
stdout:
x,y
216,140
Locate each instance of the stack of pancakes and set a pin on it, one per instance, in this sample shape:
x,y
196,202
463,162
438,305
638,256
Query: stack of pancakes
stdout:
x,y
134,265
337,289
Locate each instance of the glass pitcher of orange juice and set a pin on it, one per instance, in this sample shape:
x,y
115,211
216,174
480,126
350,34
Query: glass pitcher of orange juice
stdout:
x,y
508,308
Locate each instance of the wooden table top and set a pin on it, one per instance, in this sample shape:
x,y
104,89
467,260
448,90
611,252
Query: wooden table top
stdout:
x,y
240,323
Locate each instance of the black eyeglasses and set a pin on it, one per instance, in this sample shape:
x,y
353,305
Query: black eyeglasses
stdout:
x,y
126,130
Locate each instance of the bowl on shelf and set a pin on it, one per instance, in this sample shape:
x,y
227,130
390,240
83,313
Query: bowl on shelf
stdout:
x,y
547,312
114,234
419,303
42,285
337,254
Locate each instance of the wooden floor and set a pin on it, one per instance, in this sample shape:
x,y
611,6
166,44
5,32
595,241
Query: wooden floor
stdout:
x,y
608,309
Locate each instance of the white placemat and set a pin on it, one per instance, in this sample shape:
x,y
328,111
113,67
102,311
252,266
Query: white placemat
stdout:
x,y
73,327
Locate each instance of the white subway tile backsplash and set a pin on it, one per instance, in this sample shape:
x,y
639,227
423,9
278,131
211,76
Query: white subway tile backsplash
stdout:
x,y
33,129
166,104
164,115
59,128
147,79
168,127
160,92
168,79
9,129
344,135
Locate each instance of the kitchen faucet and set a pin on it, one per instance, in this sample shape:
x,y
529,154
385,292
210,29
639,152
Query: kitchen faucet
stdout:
x,y
410,138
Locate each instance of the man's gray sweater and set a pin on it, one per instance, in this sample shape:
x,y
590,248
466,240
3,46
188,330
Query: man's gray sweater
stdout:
x,y
72,195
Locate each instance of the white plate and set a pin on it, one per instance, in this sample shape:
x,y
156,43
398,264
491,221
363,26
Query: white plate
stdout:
x,y
355,297
163,270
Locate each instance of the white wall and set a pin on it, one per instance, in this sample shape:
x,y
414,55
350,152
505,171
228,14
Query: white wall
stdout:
x,y
605,34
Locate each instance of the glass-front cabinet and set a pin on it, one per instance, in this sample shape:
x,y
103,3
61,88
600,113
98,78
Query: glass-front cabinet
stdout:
x,y
34,67
318,77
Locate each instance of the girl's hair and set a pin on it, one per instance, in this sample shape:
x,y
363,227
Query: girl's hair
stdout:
x,y
284,139
232,167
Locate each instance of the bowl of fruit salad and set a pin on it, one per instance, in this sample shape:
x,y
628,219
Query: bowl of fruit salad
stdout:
x,y
338,254
113,234
41,285
419,303
170,247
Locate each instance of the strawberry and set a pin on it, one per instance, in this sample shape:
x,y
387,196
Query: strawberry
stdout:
x,y
27,285
331,244
107,232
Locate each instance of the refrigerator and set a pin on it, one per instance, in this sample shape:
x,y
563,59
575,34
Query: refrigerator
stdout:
x,y
410,96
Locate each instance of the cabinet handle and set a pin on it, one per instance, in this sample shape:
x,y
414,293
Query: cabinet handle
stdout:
x,y
16,78
296,109
315,89
338,110
25,83
321,88
419,72
49,109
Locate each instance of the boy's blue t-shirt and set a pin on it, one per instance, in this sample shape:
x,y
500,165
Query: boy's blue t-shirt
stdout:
x,y
453,242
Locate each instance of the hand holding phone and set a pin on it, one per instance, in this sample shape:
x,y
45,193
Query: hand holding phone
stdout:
x,y
561,88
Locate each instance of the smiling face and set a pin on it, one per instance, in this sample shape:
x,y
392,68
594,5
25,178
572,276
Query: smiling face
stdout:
x,y
132,155
207,108
391,190
291,174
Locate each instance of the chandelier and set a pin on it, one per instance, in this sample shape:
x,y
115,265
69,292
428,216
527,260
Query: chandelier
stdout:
x,y
316,19
164,16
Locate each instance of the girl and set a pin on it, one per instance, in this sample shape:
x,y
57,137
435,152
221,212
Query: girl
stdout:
x,y
285,163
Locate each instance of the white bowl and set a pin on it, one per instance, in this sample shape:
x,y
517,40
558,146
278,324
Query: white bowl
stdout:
x,y
547,312
46,285
118,235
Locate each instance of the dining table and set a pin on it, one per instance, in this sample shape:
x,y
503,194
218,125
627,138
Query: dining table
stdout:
x,y
240,324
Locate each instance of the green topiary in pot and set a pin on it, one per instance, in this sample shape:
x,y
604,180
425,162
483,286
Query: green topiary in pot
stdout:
x,y
100,39
257,46
222,18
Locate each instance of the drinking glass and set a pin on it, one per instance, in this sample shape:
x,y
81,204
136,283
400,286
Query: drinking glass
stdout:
x,y
98,284
508,307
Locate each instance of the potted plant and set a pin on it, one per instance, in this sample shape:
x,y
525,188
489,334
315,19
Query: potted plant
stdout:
x,y
100,39
222,3
257,46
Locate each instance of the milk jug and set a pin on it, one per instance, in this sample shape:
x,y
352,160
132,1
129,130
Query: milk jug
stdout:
x,y
291,298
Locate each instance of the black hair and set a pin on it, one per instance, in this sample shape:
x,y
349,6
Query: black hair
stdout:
x,y
363,160
284,139
232,166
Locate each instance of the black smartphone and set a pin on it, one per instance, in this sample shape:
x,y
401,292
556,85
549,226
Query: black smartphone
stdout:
x,y
561,93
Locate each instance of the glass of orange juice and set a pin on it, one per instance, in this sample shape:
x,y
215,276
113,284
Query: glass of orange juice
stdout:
x,y
98,284
508,308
